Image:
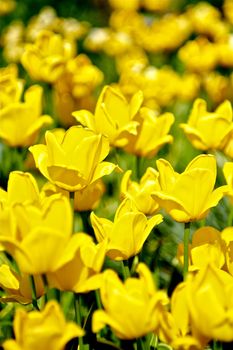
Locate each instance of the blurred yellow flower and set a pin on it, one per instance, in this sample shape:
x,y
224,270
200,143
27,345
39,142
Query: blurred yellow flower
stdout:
x,y
127,234
139,302
126,5
113,116
197,181
74,89
40,330
209,296
45,59
6,6
21,121
140,193
206,19
199,55
152,133
209,130
75,160
11,87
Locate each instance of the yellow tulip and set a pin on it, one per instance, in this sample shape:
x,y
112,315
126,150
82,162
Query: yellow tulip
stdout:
x,y
6,6
137,300
207,246
21,121
18,287
217,86
140,193
113,116
209,297
199,55
228,174
125,5
79,265
189,196
45,59
74,161
174,327
156,5
74,88
127,234
40,330
227,237
11,88
209,130
21,188
37,236
152,133
206,19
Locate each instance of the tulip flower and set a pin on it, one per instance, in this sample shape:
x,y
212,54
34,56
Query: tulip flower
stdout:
x,y
36,236
41,330
74,161
127,234
189,196
209,297
139,302
18,287
45,59
21,188
209,130
140,193
228,174
174,327
199,55
21,121
79,265
113,116
152,133
227,237
207,246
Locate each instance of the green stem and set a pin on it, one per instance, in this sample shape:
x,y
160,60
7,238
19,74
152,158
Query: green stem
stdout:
x,y
138,167
33,286
125,269
186,248
78,317
217,345
230,217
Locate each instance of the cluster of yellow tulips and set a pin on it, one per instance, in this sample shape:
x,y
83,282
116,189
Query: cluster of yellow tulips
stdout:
x,y
116,178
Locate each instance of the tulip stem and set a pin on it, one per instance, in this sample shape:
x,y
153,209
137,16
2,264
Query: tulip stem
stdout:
x,y
78,317
33,286
186,248
125,269
217,345
230,217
